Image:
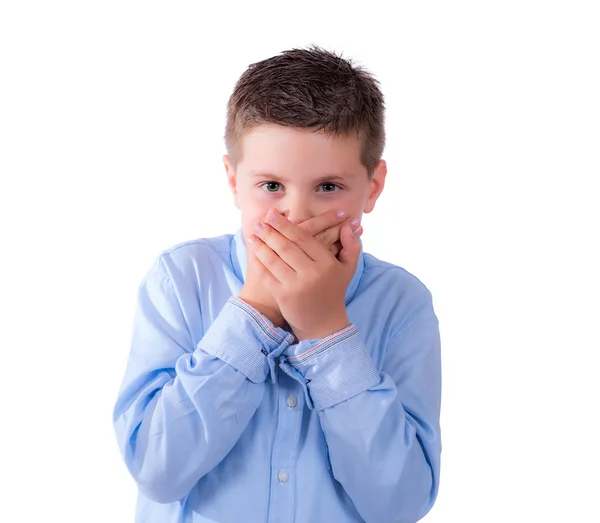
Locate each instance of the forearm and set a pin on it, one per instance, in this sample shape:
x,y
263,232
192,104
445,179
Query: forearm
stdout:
x,y
173,434
382,432
176,425
389,472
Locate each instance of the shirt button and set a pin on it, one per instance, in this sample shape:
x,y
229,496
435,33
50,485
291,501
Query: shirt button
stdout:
x,y
291,401
282,476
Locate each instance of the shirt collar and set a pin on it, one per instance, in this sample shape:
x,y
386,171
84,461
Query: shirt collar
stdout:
x,y
238,260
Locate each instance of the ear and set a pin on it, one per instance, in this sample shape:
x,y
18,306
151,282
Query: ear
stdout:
x,y
376,185
231,177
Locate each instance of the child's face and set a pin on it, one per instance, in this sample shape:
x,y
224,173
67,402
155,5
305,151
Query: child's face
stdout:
x,y
302,174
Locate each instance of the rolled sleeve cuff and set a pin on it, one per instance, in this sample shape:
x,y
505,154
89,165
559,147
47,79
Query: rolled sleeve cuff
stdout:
x,y
243,338
335,368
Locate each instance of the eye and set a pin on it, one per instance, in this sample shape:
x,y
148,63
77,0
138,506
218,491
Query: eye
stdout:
x,y
271,186
330,187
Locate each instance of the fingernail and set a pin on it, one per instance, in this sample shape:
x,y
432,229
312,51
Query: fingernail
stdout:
x,y
258,227
357,232
251,240
341,214
272,216
354,224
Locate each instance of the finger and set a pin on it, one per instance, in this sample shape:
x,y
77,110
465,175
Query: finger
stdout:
x,y
263,274
283,247
297,236
332,235
322,222
350,248
288,251
270,259
328,236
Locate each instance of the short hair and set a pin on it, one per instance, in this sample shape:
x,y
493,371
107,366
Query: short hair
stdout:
x,y
310,89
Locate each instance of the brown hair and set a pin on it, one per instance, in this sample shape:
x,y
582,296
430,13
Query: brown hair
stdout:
x,y
309,88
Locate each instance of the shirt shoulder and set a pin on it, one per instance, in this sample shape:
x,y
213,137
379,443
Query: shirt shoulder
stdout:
x,y
191,259
397,293
196,278
392,274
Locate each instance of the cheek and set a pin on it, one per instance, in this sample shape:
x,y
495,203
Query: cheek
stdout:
x,y
252,216
351,203
359,202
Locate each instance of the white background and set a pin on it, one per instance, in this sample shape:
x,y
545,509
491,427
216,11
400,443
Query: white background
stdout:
x,y
111,125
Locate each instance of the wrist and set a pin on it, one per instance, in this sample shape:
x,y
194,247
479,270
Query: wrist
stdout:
x,y
323,331
262,305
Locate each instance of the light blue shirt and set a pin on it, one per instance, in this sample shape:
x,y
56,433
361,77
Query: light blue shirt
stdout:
x,y
224,418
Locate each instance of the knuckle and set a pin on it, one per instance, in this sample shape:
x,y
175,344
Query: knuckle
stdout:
x,y
303,236
269,257
261,253
284,247
323,236
266,231
306,226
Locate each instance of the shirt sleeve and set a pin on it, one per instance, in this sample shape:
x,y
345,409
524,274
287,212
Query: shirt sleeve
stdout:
x,y
182,408
381,428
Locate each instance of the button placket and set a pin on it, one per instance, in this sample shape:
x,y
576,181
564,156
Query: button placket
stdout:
x,y
295,374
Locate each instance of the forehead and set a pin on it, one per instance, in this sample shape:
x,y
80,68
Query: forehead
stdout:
x,y
277,149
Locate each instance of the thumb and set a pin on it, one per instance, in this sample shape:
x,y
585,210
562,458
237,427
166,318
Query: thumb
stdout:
x,y
348,256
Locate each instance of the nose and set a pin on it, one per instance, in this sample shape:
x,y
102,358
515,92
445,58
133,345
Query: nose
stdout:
x,y
297,211
296,218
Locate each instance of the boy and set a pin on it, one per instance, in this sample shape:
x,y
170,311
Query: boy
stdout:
x,y
281,374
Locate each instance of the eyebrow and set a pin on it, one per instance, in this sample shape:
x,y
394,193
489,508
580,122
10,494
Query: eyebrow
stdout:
x,y
321,179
